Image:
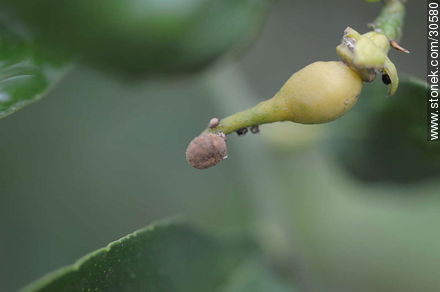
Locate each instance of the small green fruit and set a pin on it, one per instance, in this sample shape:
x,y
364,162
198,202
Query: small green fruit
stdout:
x,y
319,93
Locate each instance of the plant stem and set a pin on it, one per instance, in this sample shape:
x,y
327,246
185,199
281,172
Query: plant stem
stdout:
x,y
263,113
390,19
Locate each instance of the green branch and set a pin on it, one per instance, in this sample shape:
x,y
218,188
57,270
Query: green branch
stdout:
x,y
390,19
263,113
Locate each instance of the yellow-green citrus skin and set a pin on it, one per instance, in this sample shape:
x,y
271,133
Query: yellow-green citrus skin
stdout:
x,y
318,93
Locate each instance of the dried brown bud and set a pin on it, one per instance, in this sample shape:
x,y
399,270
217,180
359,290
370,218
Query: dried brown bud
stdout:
x,y
206,150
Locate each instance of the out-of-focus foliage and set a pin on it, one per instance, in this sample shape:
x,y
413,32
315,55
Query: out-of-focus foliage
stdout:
x,y
144,37
332,226
168,256
99,158
26,70
148,37
254,276
384,139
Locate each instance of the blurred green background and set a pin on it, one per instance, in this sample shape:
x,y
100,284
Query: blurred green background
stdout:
x,y
99,157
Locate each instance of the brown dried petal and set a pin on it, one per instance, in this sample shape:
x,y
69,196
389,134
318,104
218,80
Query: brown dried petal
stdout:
x,y
206,150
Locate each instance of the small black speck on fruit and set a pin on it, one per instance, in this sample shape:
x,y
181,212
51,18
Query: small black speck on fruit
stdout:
x,y
242,131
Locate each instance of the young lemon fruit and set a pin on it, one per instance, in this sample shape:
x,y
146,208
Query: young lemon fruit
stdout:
x,y
318,93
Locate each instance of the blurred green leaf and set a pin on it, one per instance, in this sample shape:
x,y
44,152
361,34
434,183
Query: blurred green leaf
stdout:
x,y
384,139
168,256
254,276
147,37
26,72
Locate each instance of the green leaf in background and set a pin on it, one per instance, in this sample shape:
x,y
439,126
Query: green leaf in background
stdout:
x,y
384,139
168,256
148,37
253,276
26,72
